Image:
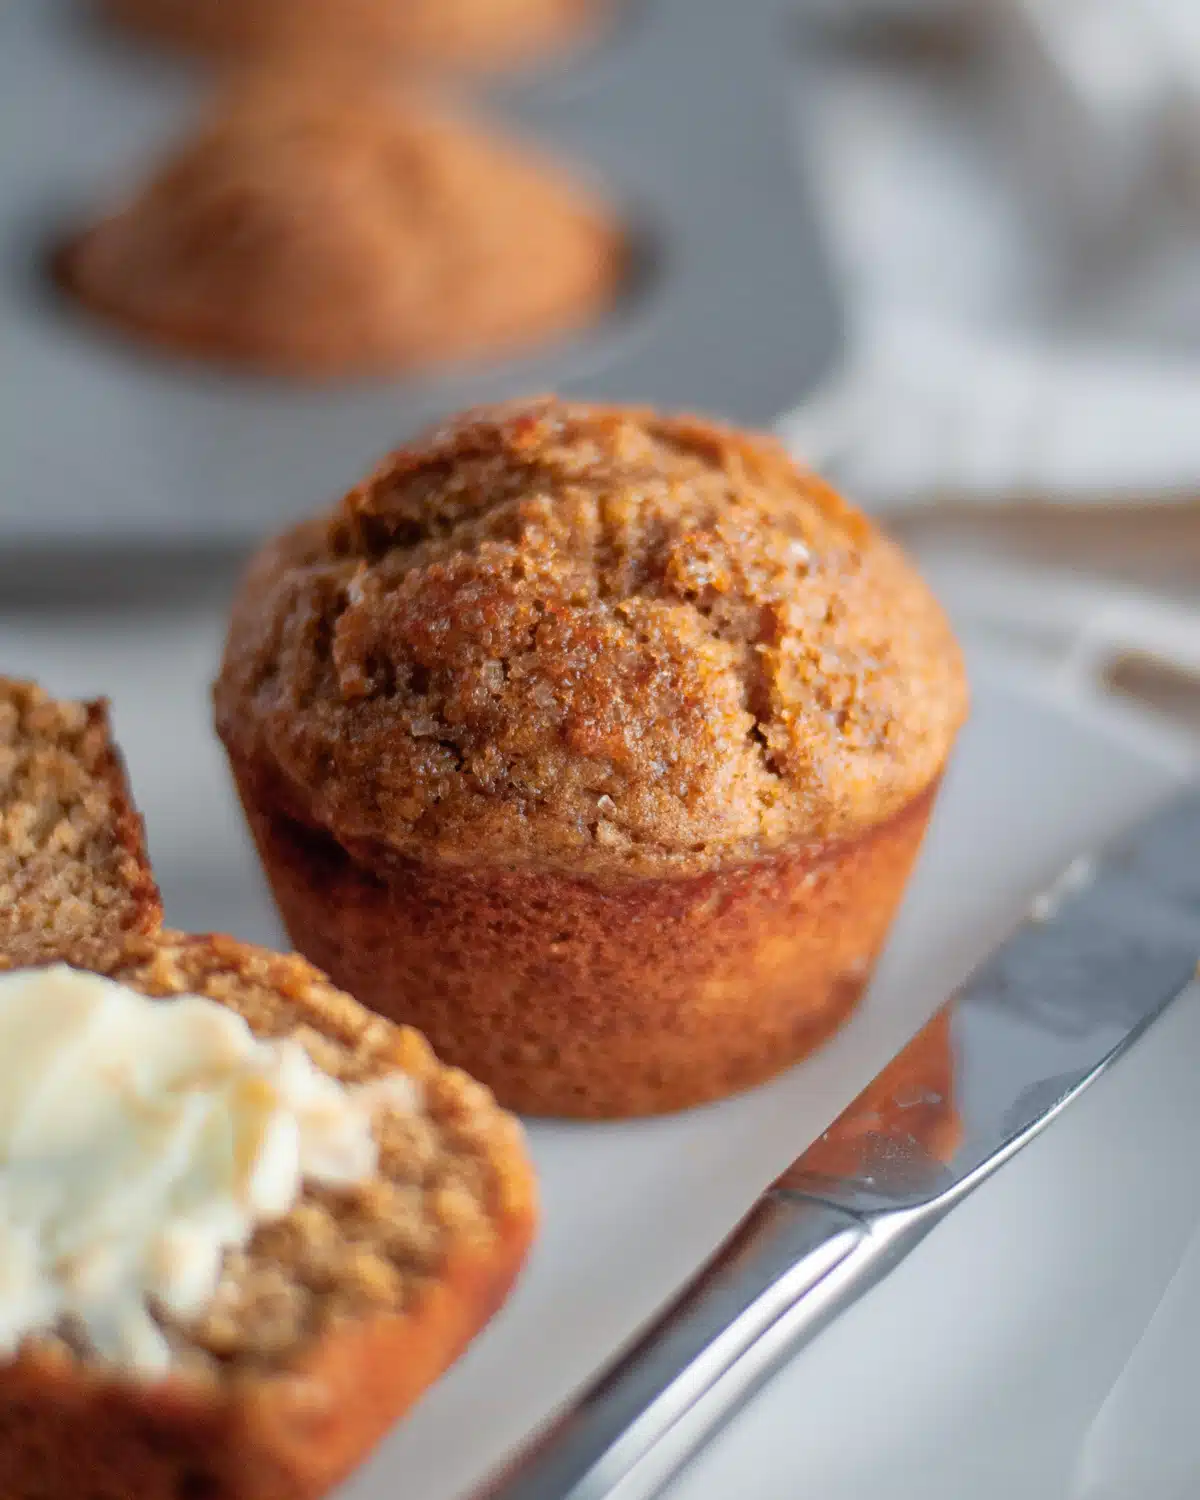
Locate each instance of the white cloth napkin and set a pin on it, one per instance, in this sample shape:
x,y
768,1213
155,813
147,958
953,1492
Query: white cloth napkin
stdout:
x,y
928,410
1016,331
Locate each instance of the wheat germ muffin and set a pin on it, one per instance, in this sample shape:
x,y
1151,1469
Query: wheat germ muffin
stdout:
x,y
74,874
409,33
595,742
321,229
344,1304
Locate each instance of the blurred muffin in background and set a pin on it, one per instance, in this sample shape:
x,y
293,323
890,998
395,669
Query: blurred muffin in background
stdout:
x,y
317,230
422,33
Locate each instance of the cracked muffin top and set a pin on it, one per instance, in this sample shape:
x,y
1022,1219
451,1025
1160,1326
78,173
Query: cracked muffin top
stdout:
x,y
590,639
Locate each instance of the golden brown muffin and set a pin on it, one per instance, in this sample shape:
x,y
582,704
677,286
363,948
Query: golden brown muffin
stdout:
x,y
597,743
333,1320
74,873
409,33
317,230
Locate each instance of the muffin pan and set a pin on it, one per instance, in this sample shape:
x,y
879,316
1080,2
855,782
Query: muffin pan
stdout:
x,y
679,115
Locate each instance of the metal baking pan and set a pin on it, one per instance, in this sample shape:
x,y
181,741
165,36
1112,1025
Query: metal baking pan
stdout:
x,y
680,114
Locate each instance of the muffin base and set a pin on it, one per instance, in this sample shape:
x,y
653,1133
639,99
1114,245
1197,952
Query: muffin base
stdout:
x,y
580,998
576,298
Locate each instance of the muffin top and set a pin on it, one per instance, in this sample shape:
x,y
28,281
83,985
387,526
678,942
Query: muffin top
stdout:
x,y
316,224
471,33
591,639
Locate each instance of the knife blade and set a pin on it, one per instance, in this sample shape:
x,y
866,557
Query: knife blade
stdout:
x,y
1103,952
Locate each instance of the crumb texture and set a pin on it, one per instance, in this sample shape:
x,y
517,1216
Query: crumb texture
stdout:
x,y
314,229
591,639
473,33
334,1319
75,880
449,1175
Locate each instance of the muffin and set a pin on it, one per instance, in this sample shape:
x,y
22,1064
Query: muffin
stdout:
x,y
349,1296
409,33
336,1318
333,1320
74,873
599,744
318,230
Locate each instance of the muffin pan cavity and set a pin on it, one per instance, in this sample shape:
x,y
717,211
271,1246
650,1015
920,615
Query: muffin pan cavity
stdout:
x,y
677,117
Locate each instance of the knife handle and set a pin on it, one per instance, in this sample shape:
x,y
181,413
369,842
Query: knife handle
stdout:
x,y
791,1265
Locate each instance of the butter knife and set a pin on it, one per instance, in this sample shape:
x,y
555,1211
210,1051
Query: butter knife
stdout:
x,y
1104,951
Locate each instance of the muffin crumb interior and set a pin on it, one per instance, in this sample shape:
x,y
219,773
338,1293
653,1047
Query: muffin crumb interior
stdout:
x,y
73,879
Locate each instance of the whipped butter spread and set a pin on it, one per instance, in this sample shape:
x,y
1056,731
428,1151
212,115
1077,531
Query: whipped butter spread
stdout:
x,y
139,1141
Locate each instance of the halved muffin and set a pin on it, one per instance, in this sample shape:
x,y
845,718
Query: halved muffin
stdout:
x,y
598,744
273,1369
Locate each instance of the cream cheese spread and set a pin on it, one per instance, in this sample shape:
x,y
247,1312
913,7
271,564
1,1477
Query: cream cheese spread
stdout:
x,y
140,1140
